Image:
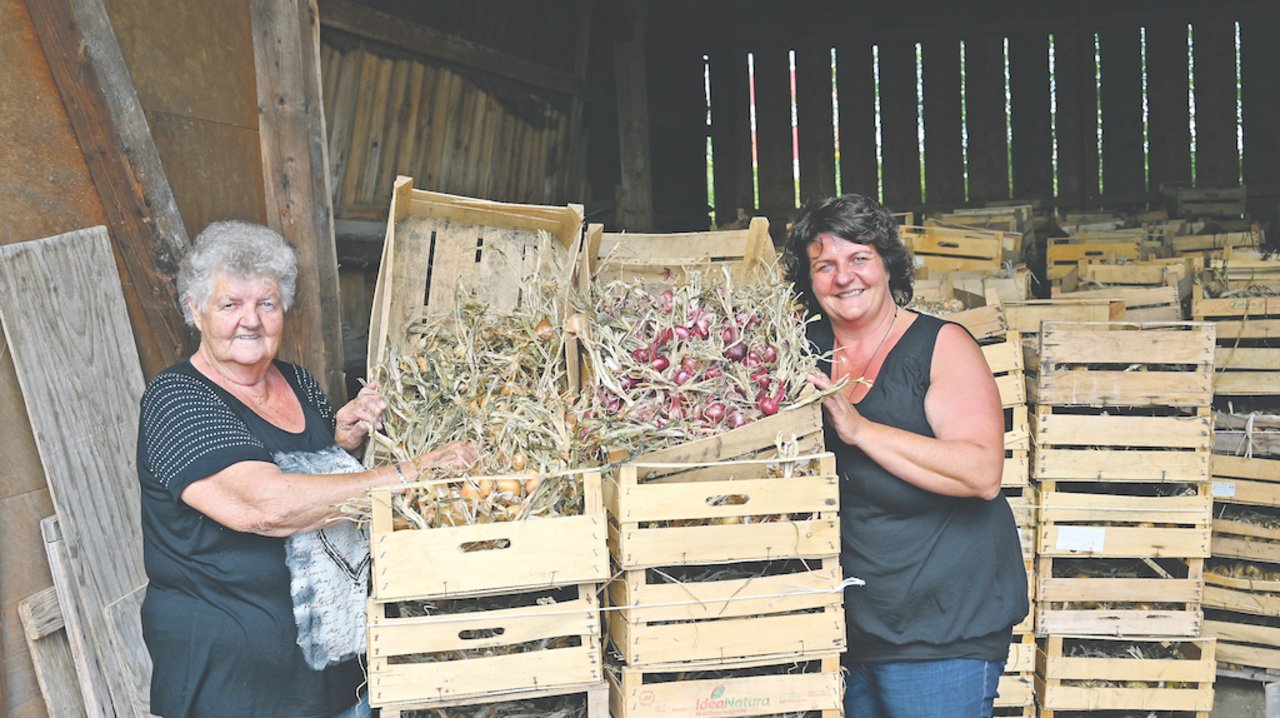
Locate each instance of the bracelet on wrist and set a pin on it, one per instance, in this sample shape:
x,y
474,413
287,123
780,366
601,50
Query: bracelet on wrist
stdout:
x,y
400,474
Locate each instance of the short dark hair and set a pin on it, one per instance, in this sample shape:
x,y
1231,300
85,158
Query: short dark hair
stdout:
x,y
854,218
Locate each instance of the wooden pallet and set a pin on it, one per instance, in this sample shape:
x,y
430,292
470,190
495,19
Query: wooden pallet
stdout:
x,y
762,689
1168,537
487,559
402,674
1073,683
747,254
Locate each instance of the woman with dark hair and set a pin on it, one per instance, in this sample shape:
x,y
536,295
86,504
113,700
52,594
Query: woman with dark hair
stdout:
x,y
918,435
256,593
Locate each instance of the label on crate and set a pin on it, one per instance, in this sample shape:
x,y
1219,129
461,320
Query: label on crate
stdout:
x,y
1225,489
1081,538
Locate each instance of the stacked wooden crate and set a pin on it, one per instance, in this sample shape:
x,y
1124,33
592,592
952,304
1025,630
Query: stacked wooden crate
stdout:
x,y
946,249
727,597
1005,358
1248,349
1121,435
462,614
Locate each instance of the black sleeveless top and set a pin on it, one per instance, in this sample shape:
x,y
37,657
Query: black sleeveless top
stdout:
x,y
944,575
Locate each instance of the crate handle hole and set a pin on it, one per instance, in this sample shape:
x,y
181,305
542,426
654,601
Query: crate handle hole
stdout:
x,y
728,500
476,634
490,545
949,245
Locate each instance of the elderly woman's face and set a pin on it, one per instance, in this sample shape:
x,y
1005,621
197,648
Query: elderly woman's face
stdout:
x,y
243,320
850,280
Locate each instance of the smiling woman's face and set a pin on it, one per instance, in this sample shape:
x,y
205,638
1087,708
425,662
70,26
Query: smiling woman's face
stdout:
x,y
242,321
850,280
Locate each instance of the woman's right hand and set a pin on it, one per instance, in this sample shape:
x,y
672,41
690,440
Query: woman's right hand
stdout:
x,y
453,455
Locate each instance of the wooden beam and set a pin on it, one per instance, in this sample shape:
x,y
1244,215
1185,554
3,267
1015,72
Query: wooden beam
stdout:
x,y
1120,52
1029,115
943,139
635,195
773,136
728,110
366,22
574,178
1217,161
900,147
1169,117
814,115
109,124
1260,96
855,81
985,119
286,41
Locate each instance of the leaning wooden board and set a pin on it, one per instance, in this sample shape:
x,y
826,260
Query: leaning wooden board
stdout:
x,y
46,635
65,321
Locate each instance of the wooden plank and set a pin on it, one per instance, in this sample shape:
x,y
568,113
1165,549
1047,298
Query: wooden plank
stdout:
x,y
112,132
1120,53
124,632
1032,151
1168,115
815,123
575,158
728,112
1073,78
943,131
985,118
88,672
62,292
635,195
339,120
899,142
773,134
51,654
286,53
358,19
855,87
1260,95
1217,161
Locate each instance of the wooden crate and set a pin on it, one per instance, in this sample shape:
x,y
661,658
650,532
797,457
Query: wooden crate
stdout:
x,y
1252,596
1141,304
948,249
786,612
1076,683
1253,482
1121,364
1216,242
595,700
1026,317
662,258
1242,269
1157,533
1017,683
1253,433
1247,359
440,248
1102,446
764,689
401,677
1022,501
1210,201
487,559
1005,360
1249,541
1063,254
1246,644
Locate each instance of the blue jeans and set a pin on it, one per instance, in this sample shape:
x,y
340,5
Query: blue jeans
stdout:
x,y
361,709
953,688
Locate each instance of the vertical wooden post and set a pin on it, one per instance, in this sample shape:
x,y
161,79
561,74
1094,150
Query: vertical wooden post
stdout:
x,y
635,195
574,175
148,234
286,49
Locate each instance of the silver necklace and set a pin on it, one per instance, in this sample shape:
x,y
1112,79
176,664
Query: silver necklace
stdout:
x,y
862,375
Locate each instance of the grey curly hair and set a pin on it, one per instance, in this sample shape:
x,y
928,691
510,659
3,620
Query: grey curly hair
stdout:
x,y
236,249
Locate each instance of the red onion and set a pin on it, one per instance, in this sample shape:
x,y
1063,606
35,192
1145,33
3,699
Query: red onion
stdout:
x,y
641,355
736,419
769,354
660,363
714,412
737,352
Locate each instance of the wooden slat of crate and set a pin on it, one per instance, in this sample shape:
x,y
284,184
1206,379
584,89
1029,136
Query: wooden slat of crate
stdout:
x,y
1244,540
1210,309
1245,644
595,698
1121,448
1070,251
678,626
660,258
1075,343
406,684
1141,304
1149,274
1016,689
987,322
1053,669
948,249
1075,524
783,692
1025,317
1006,364
1213,242
685,496
757,440
437,243
1252,481
457,570
1256,597
1068,606
1247,371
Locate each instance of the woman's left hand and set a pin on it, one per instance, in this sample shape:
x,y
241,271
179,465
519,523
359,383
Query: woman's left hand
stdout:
x,y
841,413
358,416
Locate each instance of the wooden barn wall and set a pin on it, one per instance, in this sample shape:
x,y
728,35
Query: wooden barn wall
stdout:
x,y
392,110
1079,136
45,189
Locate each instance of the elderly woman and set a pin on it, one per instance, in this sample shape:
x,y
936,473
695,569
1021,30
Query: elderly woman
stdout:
x,y
918,438
255,599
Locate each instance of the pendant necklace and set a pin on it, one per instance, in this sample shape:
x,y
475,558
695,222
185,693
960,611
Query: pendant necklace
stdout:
x,y
862,376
